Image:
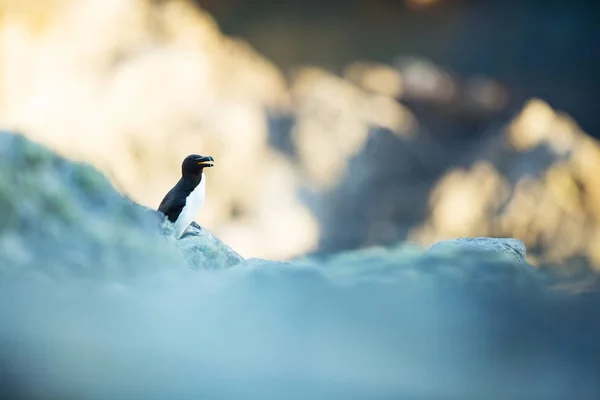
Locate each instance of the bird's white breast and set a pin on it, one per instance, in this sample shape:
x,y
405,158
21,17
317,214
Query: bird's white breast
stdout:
x,y
193,204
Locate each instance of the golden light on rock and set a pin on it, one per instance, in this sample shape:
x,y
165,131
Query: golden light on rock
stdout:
x,y
333,121
460,203
132,87
555,209
377,78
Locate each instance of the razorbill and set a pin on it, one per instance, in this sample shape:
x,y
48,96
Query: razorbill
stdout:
x,y
184,200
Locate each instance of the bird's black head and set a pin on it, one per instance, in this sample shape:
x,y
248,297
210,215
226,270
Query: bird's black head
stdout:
x,y
194,164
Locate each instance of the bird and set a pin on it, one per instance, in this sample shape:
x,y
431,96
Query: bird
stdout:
x,y
182,203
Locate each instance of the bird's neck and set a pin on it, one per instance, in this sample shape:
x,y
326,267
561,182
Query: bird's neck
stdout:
x,y
193,180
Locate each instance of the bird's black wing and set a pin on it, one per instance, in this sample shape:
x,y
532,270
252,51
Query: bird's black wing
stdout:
x,y
172,205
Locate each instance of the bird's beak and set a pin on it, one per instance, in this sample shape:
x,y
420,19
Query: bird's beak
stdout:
x,y
207,161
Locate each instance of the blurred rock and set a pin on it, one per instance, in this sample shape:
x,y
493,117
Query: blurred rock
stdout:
x,y
65,218
535,182
461,171
425,81
511,248
379,155
376,78
333,118
363,318
455,205
85,271
464,172
552,59
483,262
145,84
366,160
448,103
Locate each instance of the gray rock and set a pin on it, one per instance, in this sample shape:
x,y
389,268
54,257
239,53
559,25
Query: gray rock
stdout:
x,y
377,321
204,250
511,248
64,217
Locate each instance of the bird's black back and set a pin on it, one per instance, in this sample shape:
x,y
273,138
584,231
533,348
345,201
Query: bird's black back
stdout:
x,y
175,200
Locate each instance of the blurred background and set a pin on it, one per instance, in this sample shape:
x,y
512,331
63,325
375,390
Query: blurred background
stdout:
x,y
334,125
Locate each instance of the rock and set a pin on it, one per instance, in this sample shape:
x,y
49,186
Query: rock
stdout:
x,y
334,119
466,261
533,180
384,153
203,250
67,217
97,300
215,93
512,248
